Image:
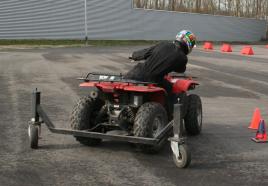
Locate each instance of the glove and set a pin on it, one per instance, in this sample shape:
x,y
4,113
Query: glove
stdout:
x,y
131,59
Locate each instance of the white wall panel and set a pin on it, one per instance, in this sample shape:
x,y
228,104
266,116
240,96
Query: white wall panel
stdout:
x,y
115,19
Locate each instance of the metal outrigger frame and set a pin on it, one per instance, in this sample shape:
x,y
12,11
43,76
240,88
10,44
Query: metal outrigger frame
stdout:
x,y
39,117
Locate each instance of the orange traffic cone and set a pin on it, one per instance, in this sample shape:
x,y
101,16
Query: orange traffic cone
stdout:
x,y
261,136
255,119
208,46
226,48
247,50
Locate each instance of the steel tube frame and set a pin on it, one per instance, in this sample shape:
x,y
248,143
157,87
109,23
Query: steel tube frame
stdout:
x,y
178,125
38,112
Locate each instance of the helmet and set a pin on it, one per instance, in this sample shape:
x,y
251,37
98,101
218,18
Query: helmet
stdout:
x,y
188,38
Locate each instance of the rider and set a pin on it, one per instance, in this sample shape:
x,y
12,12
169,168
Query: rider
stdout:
x,y
162,59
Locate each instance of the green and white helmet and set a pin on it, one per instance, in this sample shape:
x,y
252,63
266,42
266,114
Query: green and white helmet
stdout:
x,y
187,37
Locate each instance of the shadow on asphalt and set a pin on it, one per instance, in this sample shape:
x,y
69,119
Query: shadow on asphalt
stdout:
x,y
218,146
58,146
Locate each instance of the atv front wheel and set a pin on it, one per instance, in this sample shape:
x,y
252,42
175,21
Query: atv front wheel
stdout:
x,y
150,119
83,117
193,117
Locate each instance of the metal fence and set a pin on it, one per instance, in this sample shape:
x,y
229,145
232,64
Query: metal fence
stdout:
x,y
116,20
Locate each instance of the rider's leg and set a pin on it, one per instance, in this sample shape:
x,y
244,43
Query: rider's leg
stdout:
x,y
170,98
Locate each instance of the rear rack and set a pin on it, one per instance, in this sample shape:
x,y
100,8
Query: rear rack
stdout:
x,y
110,77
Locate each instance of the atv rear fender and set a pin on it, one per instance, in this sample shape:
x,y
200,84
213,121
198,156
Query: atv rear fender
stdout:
x,y
111,87
155,93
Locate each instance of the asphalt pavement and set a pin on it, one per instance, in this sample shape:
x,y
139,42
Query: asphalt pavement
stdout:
x,y
231,87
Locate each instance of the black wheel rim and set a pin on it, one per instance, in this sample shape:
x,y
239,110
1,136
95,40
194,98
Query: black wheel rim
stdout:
x,y
199,116
157,125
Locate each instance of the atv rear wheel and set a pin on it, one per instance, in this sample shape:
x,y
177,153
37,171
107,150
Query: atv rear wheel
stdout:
x,y
193,117
150,119
83,117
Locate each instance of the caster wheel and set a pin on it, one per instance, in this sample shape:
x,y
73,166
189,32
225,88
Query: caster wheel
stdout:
x,y
33,132
181,155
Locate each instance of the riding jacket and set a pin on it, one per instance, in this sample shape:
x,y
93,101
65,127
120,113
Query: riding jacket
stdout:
x,y
160,60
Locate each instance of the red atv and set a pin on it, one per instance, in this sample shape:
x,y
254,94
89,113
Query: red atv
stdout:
x,y
126,110
133,108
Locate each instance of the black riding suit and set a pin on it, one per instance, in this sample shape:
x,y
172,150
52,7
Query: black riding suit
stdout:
x,y
160,60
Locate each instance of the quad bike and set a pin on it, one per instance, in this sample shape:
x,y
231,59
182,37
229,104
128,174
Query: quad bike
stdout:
x,y
127,110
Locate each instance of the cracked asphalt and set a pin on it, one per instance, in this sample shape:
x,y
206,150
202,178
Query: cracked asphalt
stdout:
x,y
231,87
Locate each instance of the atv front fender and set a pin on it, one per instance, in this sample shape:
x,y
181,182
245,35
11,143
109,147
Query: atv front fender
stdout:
x,y
183,85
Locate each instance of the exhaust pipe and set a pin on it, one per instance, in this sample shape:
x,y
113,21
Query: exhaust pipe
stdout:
x,y
94,94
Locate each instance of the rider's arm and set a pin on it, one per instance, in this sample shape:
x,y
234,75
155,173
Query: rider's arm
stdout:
x,y
142,54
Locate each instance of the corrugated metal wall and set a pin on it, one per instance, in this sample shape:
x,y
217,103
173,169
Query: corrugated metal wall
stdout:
x,y
27,19
116,19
